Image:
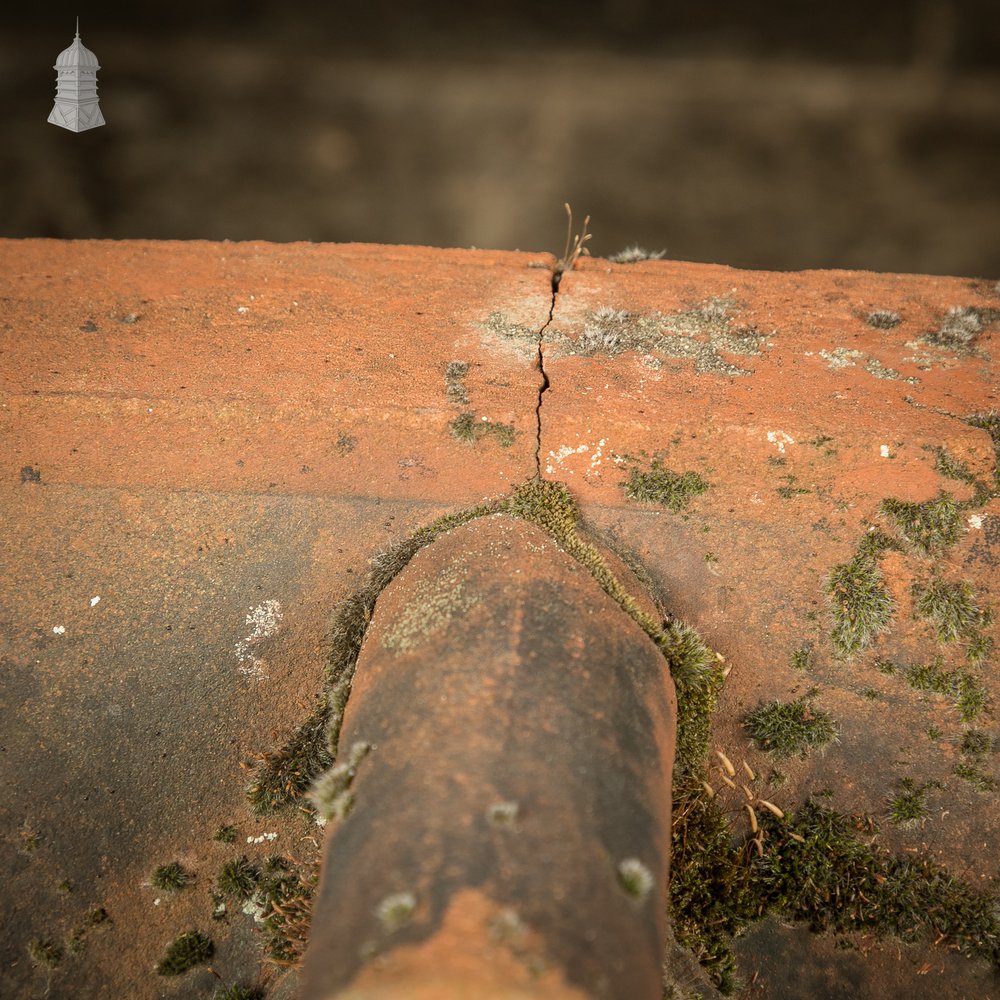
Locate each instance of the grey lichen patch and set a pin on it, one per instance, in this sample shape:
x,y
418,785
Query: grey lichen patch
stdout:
x,y
958,331
433,605
875,368
634,254
395,911
500,326
840,357
700,334
454,376
635,879
883,319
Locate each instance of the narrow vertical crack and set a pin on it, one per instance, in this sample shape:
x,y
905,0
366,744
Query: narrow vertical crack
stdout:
x,y
544,384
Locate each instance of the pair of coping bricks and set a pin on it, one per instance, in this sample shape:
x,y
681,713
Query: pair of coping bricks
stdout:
x,y
511,736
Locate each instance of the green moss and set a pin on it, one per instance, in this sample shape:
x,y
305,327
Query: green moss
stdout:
x,y
961,686
862,605
172,877
835,882
990,422
225,834
972,773
45,952
185,952
976,743
286,774
885,666
950,607
236,992
930,526
802,658
790,729
909,806
468,429
238,878
662,486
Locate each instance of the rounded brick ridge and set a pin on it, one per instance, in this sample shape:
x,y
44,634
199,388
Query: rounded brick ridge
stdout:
x,y
522,730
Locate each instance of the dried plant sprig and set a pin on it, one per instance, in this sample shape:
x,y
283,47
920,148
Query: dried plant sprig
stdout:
x,y
575,247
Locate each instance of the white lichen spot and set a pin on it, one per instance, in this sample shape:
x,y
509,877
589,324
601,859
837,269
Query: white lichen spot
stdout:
x,y
59,629
779,439
975,522
262,838
635,878
256,907
883,450
242,310
560,455
394,911
265,620
94,601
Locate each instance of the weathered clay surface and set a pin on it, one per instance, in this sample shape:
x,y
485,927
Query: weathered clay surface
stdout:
x,y
127,736
522,733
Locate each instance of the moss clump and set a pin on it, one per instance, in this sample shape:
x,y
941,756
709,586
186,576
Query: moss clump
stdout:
x,y
971,772
835,882
976,743
468,429
238,878
930,526
635,878
225,834
395,911
909,806
185,952
950,607
45,952
990,422
958,331
802,658
862,605
961,686
673,490
634,254
883,319
790,729
172,877
236,992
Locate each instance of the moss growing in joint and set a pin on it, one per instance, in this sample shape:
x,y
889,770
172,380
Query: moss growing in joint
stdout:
x,y
790,729
285,775
930,526
673,490
185,952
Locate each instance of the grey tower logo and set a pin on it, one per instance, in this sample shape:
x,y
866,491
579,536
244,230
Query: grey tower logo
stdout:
x,y
76,106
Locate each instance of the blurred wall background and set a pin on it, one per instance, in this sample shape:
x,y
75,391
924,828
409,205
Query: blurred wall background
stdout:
x,y
783,135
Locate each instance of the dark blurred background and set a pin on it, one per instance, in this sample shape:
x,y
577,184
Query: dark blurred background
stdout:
x,y
785,135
